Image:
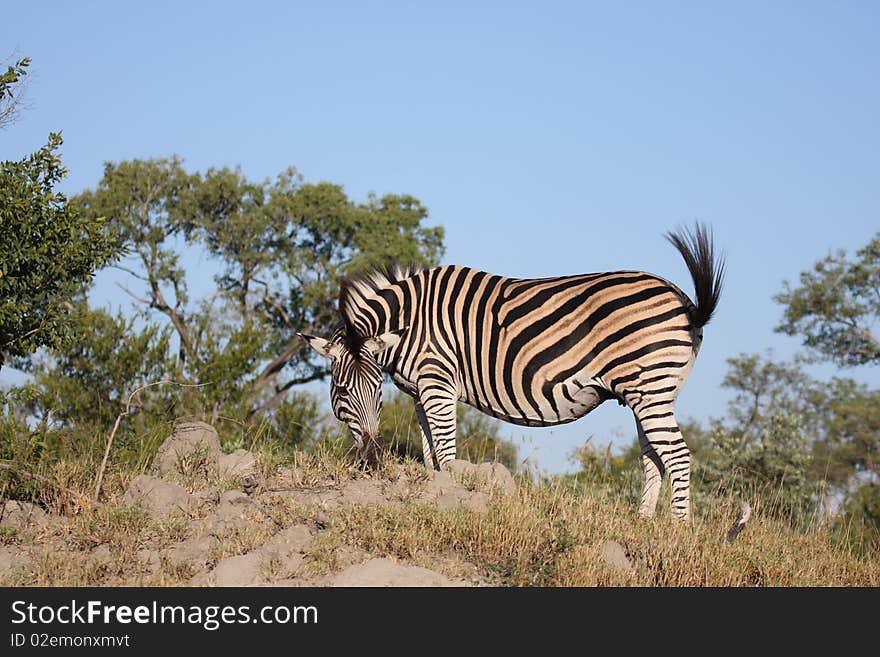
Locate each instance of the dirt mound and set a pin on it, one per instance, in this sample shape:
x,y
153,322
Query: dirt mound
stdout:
x,y
207,518
192,445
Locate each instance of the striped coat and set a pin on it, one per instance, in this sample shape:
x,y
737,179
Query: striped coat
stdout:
x,y
535,352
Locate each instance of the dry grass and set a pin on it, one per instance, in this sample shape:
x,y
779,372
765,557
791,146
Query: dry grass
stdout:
x,y
543,535
548,536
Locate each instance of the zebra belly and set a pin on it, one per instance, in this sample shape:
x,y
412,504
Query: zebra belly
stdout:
x,y
568,407
571,407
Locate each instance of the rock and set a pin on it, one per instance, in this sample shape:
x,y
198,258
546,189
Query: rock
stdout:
x,y
234,498
157,497
493,475
613,554
283,553
384,572
243,570
281,556
447,493
497,476
14,561
191,445
237,464
10,560
21,515
250,483
441,482
278,567
210,494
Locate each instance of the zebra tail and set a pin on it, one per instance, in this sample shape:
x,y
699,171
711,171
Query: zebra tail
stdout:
x,y
707,270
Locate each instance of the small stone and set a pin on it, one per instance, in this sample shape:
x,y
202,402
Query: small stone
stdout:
x,y
614,554
20,515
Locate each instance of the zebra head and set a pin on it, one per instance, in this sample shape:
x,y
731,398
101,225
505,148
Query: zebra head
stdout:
x,y
355,382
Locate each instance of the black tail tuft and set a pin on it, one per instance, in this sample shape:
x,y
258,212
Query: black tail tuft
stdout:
x,y
699,256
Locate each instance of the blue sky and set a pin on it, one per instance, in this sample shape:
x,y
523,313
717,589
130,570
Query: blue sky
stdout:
x,y
547,138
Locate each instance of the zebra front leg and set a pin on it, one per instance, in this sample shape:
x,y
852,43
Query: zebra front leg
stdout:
x,y
438,417
654,471
658,425
428,451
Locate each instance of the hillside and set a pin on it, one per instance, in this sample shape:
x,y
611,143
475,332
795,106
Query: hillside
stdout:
x,y
200,517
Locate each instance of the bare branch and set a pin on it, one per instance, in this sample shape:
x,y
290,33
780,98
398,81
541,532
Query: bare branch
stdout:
x,y
131,272
12,102
132,294
100,478
271,370
269,301
281,393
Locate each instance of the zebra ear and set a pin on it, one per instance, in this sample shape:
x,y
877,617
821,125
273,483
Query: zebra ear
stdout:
x,y
324,347
380,343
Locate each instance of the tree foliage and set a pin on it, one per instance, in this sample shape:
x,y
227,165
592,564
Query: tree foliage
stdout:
x,y
817,439
273,254
48,251
836,307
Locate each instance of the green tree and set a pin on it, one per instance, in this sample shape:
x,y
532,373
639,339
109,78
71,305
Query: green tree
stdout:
x,y
48,251
86,383
279,249
836,310
618,473
836,307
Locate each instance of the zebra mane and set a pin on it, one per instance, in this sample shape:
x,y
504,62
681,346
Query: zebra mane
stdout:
x,y
356,289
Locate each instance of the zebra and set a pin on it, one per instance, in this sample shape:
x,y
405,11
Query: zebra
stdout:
x,y
533,352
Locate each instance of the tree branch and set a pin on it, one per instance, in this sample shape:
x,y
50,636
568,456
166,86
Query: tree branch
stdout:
x,y
280,393
278,307
271,370
132,294
100,478
130,272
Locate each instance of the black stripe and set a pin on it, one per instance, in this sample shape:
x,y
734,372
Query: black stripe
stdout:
x,y
644,351
615,383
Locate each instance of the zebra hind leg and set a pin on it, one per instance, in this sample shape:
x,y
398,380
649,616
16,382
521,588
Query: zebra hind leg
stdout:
x,y
654,472
660,430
